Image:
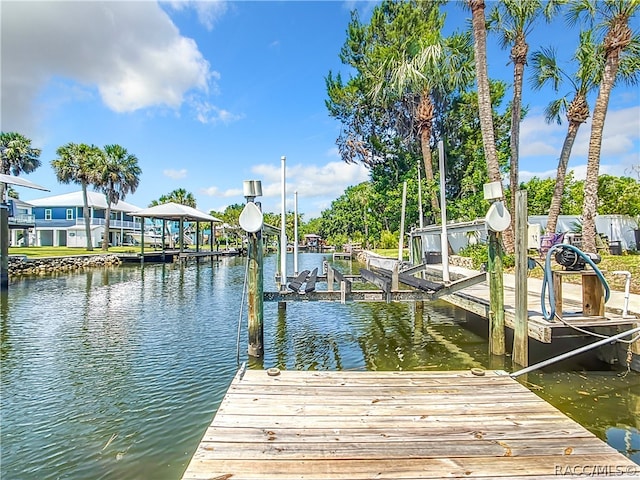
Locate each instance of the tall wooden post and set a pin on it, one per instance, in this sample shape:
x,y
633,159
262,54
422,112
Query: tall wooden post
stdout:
x,y
181,233
4,248
197,238
496,295
255,296
521,328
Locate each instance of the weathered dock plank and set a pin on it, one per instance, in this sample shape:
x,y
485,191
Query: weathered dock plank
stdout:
x,y
394,425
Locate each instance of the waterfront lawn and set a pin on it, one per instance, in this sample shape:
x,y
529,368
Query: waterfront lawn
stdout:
x,y
392,252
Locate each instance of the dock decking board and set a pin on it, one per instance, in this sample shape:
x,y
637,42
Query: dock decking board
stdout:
x,y
394,425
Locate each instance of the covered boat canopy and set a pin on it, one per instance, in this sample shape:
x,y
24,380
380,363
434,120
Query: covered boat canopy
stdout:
x,y
176,212
11,180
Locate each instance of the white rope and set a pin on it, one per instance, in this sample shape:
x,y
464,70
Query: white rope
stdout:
x,y
594,334
244,289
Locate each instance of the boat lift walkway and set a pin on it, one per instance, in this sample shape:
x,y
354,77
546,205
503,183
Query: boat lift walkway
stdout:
x,y
475,298
395,425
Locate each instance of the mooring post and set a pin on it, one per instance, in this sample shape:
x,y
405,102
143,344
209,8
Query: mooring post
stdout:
x,y
4,248
252,221
521,328
395,283
330,279
496,295
255,308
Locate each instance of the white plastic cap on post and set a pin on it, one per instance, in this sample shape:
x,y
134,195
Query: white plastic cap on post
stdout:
x,y
252,188
492,191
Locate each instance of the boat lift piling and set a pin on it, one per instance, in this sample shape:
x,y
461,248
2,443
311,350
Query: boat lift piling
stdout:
x,y
252,221
520,332
4,224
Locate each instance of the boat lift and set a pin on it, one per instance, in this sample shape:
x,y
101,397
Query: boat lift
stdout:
x,y
387,282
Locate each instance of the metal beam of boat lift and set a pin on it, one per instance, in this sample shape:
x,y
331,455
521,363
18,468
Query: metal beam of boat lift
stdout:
x,y
387,282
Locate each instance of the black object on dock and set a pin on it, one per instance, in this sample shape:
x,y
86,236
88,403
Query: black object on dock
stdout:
x,y
297,282
311,281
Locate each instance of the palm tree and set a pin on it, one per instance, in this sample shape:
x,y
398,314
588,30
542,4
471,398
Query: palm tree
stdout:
x,y
18,156
513,20
419,63
619,41
118,174
584,80
76,163
484,96
180,195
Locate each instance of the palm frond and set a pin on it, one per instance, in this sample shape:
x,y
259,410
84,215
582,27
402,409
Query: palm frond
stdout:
x,y
555,109
545,68
629,67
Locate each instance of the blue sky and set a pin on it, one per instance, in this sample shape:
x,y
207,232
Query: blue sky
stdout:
x,y
207,94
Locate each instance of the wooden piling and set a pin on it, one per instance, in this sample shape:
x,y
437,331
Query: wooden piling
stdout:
x,y
521,330
395,284
255,296
4,248
330,279
496,295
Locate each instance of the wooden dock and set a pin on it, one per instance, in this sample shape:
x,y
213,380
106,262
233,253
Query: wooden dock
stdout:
x,y
395,425
170,256
475,299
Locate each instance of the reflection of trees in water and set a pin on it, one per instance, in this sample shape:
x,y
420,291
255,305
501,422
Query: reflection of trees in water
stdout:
x,y
401,337
280,340
316,351
305,345
391,339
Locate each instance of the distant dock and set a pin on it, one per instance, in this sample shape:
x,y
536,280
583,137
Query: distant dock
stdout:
x,y
170,256
394,425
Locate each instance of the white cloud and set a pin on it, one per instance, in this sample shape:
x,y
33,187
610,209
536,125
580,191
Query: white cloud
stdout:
x,y
621,132
580,171
311,181
317,185
208,11
216,192
130,52
208,113
175,174
541,143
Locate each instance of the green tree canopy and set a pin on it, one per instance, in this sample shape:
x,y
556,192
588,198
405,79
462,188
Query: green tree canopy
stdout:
x,y
77,163
118,174
18,156
179,195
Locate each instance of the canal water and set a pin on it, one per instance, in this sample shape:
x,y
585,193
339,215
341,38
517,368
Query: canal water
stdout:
x,y
116,373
